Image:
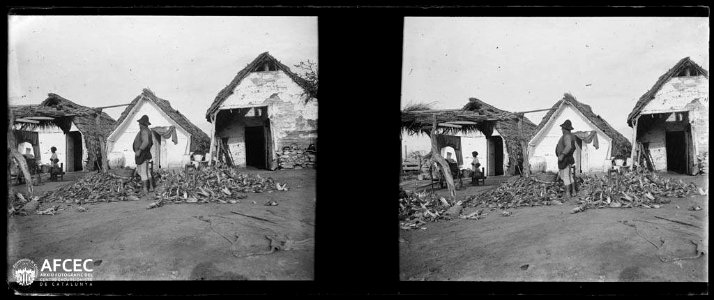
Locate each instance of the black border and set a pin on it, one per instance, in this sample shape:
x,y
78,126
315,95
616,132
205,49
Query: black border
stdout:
x,y
356,249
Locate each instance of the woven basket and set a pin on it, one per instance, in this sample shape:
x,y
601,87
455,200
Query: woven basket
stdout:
x,y
546,177
123,172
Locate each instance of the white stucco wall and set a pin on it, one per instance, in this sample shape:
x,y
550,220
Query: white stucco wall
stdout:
x,y
291,119
473,141
122,139
677,93
543,144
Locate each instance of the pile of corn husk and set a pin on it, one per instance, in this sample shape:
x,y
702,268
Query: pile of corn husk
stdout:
x,y
96,187
208,184
631,189
213,184
416,209
640,189
20,204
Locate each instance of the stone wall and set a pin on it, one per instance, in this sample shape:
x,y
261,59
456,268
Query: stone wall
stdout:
x,y
296,158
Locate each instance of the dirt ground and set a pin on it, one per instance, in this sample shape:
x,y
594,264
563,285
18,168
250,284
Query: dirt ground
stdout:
x,y
178,241
551,244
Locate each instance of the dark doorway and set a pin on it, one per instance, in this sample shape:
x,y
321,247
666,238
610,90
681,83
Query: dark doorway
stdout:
x,y
74,151
495,153
578,155
676,151
255,154
156,150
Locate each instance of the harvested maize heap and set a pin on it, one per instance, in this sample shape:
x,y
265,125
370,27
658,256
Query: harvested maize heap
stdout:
x,y
212,184
96,187
294,157
631,189
518,192
209,184
415,209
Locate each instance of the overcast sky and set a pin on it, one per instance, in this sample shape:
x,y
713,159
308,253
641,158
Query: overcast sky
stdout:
x,y
520,64
99,61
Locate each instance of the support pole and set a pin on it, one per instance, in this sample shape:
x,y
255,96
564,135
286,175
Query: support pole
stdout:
x,y
524,147
102,144
12,149
211,150
442,162
633,153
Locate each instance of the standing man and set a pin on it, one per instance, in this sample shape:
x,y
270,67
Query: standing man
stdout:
x,y
564,150
142,153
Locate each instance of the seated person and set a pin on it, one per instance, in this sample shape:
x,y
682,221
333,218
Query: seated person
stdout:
x,y
475,167
54,160
475,164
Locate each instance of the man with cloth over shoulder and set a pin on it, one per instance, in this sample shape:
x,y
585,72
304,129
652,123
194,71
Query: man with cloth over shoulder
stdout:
x,y
142,153
564,150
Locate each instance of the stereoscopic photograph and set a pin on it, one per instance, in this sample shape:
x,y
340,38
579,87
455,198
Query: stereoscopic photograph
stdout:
x,y
554,149
161,148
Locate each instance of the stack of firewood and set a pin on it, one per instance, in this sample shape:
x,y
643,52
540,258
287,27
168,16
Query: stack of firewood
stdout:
x,y
296,158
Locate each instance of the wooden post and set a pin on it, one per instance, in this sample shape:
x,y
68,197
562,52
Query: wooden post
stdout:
x,y
102,144
442,162
524,145
633,153
17,156
211,150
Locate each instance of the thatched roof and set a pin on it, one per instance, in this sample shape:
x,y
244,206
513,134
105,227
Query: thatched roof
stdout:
x,y
507,127
264,57
682,65
65,113
421,121
62,119
621,147
199,139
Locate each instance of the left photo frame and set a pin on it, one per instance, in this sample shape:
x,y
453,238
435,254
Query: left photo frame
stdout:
x,y
167,148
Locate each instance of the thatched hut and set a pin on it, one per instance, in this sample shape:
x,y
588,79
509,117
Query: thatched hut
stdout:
x,y
265,108
671,120
68,126
597,141
507,133
492,132
175,137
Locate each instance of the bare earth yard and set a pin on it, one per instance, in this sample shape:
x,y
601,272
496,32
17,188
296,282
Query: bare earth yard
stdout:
x,y
179,241
549,243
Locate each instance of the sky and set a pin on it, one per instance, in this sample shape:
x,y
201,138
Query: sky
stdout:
x,y
108,60
528,63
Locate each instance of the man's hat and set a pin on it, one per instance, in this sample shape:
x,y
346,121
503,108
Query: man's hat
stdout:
x,y
144,120
567,125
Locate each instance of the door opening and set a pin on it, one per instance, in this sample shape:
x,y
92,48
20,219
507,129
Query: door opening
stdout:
x,y
255,147
74,151
156,150
495,156
578,155
676,151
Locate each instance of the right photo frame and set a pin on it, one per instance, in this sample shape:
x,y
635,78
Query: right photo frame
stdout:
x,y
566,149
